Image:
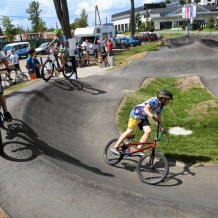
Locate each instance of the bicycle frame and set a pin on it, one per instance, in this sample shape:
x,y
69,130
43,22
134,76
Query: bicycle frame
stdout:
x,y
151,144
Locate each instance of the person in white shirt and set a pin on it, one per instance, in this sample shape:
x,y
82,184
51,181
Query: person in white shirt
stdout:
x,y
14,59
86,45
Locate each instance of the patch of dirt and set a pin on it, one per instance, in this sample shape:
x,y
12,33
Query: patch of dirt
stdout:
x,y
202,109
147,81
189,82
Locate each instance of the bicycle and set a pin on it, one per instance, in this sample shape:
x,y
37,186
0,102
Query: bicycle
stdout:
x,y
18,78
53,64
151,168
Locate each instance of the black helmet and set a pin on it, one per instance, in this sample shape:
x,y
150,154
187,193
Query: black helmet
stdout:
x,y
165,94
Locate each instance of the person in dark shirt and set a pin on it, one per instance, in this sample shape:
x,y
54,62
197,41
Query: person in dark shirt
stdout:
x,y
37,66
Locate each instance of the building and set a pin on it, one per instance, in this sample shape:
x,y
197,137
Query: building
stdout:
x,y
165,17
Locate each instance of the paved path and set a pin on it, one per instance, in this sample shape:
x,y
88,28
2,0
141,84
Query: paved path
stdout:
x,y
59,134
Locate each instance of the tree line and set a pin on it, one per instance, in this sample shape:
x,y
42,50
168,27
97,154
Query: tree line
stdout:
x,y
38,25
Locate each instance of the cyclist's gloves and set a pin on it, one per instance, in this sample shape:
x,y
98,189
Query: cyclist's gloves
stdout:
x,y
164,131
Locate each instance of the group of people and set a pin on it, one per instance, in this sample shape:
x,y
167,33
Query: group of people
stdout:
x,y
104,53
11,62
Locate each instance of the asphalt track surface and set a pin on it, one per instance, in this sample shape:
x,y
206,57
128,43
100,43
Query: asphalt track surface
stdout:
x,y
55,166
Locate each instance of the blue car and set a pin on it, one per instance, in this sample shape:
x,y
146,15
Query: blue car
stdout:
x,y
134,42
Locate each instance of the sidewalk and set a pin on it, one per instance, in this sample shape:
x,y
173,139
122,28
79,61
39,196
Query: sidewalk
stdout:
x,y
81,72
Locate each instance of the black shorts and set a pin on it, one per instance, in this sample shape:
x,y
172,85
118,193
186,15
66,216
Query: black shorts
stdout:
x,y
144,122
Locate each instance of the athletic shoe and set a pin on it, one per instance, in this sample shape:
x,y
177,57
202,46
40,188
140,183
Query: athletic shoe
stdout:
x,y
115,151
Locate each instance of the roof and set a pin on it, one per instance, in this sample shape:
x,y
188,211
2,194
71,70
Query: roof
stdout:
x,y
15,43
139,9
161,10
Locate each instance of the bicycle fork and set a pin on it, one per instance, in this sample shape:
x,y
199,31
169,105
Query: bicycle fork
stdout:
x,y
151,161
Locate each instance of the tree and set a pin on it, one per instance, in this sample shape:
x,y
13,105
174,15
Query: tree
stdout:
x,y
138,20
9,29
132,18
150,26
63,16
80,22
38,25
1,32
210,23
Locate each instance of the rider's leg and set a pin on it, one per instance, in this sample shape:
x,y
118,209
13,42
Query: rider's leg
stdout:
x,y
122,137
7,115
131,126
147,133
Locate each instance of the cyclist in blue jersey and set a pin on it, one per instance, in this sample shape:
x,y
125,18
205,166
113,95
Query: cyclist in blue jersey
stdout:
x,y
61,43
139,116
7,115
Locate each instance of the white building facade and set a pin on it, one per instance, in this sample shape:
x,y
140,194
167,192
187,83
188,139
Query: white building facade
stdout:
x,y
165,18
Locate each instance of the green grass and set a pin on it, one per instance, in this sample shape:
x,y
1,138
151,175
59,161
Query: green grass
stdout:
x,y
195,110
123,57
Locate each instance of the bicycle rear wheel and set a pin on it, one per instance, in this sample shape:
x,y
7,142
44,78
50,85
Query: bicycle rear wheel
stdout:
x,y
153,169
109,157
22,78
47,70
68,69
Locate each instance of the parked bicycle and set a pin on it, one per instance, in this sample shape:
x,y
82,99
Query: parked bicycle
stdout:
x,y
151,168
52,64
19,77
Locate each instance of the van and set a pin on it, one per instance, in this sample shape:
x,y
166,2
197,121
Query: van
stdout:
x,y
21,48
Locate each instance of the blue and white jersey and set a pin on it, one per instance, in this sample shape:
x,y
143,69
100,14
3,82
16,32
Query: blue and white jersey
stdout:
x,y
60,40
139,113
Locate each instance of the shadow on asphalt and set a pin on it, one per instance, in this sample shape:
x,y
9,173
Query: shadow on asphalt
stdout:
x,y
172,179
71,85
24,145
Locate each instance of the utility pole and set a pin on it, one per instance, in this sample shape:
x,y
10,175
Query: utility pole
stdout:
x,y
97,13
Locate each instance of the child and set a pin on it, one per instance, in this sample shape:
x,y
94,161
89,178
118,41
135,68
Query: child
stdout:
x,y
37,66
139,116
104,57
30,65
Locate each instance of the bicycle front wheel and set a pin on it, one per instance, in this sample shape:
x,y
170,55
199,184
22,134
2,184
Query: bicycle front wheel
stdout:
x,y
109,157
68,69
47,70
153,169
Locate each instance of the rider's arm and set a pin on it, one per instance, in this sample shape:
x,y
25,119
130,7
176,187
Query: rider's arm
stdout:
x,y
6,63
160,121
147,110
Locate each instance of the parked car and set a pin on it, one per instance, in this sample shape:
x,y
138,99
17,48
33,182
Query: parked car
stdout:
x,y
133,42
42,49
148,36
122,42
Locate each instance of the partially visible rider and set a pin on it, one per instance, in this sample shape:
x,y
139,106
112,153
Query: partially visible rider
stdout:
x,y
61,43
7,115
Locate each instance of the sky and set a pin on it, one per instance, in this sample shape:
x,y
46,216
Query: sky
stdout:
x,y
16,10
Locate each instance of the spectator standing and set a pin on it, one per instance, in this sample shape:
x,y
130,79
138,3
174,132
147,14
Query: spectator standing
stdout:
x,y
103,55
14,59
86,45
7,57
30,65
105,44
109,48
37,66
